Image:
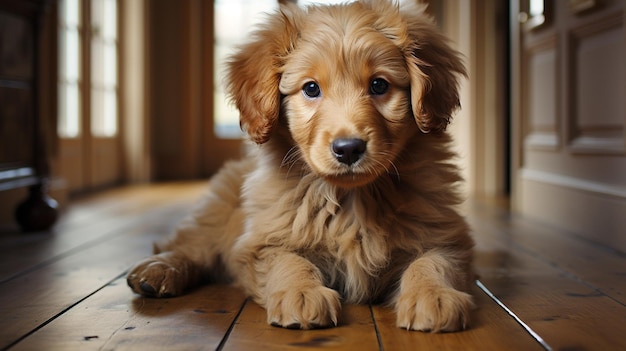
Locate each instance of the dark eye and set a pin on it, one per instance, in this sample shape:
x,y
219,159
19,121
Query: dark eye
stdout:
x,y
379,86
311,89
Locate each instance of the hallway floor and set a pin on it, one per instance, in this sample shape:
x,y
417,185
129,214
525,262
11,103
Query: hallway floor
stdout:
x,y
539,288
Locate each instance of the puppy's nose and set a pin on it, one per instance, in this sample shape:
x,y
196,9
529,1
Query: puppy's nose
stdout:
x,y
348,150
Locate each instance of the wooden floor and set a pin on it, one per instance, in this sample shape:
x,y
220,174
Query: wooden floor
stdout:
x,y
66,290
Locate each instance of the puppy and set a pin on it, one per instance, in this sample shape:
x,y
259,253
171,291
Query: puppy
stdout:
x,y
349,193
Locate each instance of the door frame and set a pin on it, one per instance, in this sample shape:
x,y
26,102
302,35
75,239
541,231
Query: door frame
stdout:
x,y
479,31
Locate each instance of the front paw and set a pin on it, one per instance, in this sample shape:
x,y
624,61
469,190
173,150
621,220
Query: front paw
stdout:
x,y
434,309
157,276
308,308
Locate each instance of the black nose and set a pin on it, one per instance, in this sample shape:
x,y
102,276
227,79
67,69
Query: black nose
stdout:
x,y
348,150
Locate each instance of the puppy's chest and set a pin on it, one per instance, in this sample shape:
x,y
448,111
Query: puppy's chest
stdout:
x,y
344,227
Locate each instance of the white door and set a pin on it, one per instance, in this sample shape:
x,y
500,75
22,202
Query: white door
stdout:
x,y
569,115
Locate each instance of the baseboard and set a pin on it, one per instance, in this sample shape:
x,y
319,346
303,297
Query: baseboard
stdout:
x,y
592,210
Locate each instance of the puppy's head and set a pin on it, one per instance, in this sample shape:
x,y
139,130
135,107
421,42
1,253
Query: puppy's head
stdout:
x,y
353,84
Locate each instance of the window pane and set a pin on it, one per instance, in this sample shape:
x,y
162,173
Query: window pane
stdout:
x,y
109,114
70,12
96,62
103,113
109,65
104,18
69,69
69,105
109,19
104,68
536,7
103,64
230,25
96,112
71,55
233,21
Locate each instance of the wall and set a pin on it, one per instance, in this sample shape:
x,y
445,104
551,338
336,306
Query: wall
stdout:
x,y
479,31
134,92
570,119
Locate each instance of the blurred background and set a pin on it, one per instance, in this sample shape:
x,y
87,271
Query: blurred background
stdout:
x,y
96,94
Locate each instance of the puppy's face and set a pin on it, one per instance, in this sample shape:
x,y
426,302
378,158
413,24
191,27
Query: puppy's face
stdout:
x,y
347,98
353,83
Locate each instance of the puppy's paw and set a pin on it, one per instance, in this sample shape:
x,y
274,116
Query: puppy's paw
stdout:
x,y
158,276
316,307
435,309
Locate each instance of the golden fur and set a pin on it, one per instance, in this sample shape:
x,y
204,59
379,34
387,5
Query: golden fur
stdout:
x,y
302,227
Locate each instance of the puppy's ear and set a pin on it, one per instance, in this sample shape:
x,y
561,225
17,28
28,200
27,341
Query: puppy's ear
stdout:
x,y
254,71
435,69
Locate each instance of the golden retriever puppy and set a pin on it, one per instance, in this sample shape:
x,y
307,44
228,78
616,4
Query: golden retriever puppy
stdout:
x,y
349,193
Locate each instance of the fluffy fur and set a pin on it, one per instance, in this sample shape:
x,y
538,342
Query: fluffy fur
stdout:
x,y
349,194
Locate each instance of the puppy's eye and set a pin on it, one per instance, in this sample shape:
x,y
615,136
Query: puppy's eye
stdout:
x,y
379,86
311,89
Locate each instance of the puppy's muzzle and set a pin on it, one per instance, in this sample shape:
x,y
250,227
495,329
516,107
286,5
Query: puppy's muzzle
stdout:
x,y
348,150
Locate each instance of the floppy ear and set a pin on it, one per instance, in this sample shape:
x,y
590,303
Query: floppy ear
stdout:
x,y
254,71
435,69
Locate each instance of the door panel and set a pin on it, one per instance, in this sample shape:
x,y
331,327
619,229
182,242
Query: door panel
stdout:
x,y
569,92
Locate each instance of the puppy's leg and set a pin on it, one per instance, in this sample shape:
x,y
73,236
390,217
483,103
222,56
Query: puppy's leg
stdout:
x,y
428,299
166,274
195,253
294,294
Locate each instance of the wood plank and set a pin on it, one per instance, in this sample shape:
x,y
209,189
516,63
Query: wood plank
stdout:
x,y
91,221
564,288
115,319
566,312
24,258
355,332
31,299
491,329
599,266
121,200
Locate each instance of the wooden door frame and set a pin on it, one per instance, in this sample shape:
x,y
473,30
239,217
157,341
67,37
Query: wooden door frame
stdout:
x,y
516,88
134,97
480,128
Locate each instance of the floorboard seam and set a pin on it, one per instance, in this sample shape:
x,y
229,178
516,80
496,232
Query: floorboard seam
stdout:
x,y
62,312
564,270
528,329
109,234
231,327
378,336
